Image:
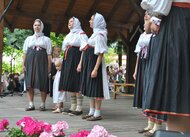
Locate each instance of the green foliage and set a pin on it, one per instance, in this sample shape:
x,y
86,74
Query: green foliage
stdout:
x,y
57,40
13,41
118,47
109,56
15,132
12,50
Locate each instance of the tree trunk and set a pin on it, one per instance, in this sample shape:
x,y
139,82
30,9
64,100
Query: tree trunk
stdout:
x,y
120,59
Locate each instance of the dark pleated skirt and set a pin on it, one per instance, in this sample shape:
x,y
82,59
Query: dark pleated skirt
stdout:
x,y
53,72
167,88
70,78
138,93
36,75
91,87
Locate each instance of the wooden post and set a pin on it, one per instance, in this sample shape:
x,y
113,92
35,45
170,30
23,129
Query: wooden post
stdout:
x,y
2,4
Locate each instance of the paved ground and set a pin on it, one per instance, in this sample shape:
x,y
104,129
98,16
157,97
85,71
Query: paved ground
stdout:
x,y
119,118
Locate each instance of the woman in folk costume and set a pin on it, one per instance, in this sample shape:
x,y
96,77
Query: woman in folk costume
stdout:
x,y
167,85
70,77
37,61
94,78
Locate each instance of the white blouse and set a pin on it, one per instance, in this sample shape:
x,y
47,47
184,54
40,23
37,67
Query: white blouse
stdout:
x,y
143,41
75,39
99,41
157,6
42,41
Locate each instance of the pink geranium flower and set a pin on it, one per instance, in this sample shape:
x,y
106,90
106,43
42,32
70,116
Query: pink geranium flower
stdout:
x,y
58,128
82,133
3,124
46,134
99,131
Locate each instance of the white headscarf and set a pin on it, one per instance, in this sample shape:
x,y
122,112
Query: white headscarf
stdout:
x,y
76,26
38,34
99,24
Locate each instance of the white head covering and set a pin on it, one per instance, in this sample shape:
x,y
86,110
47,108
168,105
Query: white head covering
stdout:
x,y
99,24
38,34
76,26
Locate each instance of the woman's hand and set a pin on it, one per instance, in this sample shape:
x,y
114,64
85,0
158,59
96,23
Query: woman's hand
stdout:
x,y
134,75
79,67
94,74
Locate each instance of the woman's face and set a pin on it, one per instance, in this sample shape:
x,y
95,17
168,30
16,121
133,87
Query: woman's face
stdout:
x,y
91,21
71,23
37,26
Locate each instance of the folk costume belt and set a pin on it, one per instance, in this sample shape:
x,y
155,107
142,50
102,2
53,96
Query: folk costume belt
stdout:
x,y
67,49
37,48
86,47
181,4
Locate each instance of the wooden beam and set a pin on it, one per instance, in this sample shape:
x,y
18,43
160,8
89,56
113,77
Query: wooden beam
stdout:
x,y
92,9
19,4
45,6
8,24
2,7
114,9
119,25
54,19
129,15
69,8
34,15
66,16
137,8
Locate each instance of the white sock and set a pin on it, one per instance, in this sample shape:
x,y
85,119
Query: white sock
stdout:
x,y
31,103
79,108
42,104
156,126
91,112
73,107
97,113
150,125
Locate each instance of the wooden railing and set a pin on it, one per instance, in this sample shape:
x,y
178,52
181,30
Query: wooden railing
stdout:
x,y
120,86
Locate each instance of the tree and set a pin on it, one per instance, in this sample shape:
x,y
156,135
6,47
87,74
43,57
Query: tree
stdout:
x,y
12,50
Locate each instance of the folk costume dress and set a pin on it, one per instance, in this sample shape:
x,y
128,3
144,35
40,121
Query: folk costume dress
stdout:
x,y
167,85
70,78
37,48
95,87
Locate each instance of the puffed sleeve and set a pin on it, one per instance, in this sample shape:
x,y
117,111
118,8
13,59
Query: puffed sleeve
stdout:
x,y
65,42
138,47
25,46
157,6
100,44
49,46
83,41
